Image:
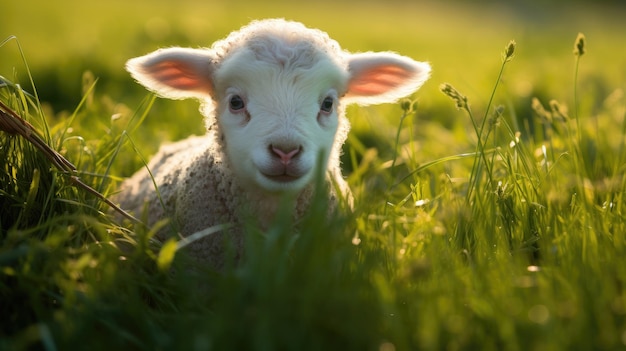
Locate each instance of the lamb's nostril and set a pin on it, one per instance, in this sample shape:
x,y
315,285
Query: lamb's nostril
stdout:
x,y
286,154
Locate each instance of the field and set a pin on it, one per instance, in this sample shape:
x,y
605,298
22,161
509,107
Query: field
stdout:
x,y
490,211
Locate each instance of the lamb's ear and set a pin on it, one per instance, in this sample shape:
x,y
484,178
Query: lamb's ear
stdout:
x,y
175,73
383,77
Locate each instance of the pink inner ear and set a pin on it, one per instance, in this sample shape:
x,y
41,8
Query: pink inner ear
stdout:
x,y
178,75
378,80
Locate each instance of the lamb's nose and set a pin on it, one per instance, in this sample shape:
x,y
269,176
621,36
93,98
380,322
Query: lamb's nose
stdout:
x,y
286,154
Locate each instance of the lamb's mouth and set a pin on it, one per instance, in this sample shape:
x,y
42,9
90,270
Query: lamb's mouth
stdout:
x,y
279,173
282,178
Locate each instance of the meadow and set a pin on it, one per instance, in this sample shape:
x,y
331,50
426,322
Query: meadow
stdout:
x,y
489,212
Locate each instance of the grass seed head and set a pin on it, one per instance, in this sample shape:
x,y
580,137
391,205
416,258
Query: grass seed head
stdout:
x,y
406,105
579,46
509,51
494,121
558,110
540,110
451,92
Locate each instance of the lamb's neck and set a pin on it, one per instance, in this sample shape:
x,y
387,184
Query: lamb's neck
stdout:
x,y
264,207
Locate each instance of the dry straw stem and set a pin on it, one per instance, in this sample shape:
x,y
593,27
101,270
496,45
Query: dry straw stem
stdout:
x,y
12,123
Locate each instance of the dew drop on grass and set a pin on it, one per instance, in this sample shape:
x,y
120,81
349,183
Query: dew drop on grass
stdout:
x,y
420,203
356,240
533,268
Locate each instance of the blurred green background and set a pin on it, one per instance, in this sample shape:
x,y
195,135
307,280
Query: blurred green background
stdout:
x,y
62,39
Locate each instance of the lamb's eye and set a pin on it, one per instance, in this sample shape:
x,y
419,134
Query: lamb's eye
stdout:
x,y
236,103
327,104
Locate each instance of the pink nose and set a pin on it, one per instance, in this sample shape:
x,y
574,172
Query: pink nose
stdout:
x,y
284,155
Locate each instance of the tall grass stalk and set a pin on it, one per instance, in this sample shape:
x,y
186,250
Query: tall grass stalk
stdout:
x,y
579,51
507,56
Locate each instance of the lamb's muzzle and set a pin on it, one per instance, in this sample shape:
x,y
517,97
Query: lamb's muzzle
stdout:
x,y
284,166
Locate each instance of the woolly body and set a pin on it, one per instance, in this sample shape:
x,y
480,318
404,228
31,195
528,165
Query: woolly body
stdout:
x,y
273,95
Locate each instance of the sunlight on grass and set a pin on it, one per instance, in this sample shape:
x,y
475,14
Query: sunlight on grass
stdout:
x,y
490,213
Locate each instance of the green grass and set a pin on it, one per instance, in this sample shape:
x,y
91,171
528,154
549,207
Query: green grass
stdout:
x,y
490,211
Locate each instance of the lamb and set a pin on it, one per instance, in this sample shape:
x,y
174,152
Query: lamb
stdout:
x,y
273,95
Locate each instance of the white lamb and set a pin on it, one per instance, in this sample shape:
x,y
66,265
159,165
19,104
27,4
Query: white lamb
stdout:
x,y
273,94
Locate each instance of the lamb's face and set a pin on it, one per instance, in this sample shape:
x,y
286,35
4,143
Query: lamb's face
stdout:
x,y
274,88
277,121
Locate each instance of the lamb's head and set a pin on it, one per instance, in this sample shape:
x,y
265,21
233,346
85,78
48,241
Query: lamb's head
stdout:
x,y
275,92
